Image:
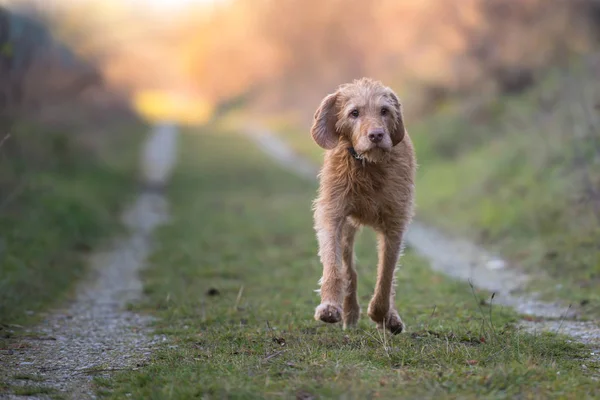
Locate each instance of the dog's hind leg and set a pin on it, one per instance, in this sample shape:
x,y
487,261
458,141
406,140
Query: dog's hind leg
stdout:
x,y
351,306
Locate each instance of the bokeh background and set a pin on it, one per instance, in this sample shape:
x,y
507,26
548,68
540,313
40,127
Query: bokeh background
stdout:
x,y
282,56
502,98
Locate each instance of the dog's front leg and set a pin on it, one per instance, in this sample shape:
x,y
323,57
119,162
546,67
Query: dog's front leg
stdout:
x,y
351,306
381,308
329,235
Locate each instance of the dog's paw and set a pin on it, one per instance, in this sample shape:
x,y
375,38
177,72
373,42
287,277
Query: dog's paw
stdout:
x,y
392,323
328,312
378,311
351,315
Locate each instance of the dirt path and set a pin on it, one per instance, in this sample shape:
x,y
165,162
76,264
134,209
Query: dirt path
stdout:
x,y
95,334
462,260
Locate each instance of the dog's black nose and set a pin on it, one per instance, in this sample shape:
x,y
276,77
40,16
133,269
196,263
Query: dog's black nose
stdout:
x,y
376,136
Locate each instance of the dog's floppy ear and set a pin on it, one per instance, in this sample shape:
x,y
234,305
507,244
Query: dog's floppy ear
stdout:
x,y
323,129
398,131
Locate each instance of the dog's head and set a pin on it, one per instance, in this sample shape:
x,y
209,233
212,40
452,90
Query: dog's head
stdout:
x,y
367,114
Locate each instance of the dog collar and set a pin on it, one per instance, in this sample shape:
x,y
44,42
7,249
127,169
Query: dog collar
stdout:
x,y
354,154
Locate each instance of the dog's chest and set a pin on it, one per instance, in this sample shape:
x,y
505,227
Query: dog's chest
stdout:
x,y
368,198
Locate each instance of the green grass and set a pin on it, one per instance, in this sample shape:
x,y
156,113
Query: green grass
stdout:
x,y
528,186
32,390
57,202
297,138
232,283
27,377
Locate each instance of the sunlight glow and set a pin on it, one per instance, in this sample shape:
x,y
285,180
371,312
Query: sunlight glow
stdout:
x,y
174,4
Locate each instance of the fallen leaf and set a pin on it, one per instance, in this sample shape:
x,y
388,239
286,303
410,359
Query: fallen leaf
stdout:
x,y
280,341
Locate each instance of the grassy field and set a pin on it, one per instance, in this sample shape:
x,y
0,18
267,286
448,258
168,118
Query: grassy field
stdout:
x,y
518,175
233,280
523,180
57,201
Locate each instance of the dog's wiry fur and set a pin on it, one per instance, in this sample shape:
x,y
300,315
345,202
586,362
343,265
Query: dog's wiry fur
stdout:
x,y
377,190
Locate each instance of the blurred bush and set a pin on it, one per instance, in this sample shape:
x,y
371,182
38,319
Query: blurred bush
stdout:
x,y
66,166
290,52
283,55
58,94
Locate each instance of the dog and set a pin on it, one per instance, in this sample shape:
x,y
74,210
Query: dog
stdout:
x,y
367,178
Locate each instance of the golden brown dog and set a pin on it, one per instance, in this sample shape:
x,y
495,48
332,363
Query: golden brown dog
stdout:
x,y
367,179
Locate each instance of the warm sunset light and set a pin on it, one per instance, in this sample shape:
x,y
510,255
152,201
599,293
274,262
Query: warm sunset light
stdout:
x,y
179,177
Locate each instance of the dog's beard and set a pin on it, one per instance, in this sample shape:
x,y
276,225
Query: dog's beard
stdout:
x,y
376,154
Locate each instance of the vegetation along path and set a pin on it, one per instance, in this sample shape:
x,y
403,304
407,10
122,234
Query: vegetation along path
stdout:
x,y
95,334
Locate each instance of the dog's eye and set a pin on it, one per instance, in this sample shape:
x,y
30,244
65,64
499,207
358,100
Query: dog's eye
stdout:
x,y
384,111
354,113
